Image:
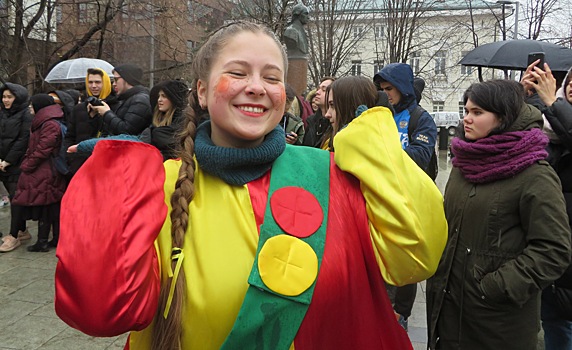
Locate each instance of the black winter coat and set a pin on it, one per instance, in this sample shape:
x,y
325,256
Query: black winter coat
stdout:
x,y
165,137
318,125
559,115
82,127
132,115
14,129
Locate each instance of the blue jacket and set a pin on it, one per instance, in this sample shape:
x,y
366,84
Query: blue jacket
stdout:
x,y
423,138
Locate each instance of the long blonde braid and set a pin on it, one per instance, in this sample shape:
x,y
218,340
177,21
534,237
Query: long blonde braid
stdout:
x,y
167,331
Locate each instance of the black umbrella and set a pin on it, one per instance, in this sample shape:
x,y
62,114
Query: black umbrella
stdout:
x,y
513,54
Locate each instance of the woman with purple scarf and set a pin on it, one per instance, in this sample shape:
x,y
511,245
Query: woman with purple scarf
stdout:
x,y
508,230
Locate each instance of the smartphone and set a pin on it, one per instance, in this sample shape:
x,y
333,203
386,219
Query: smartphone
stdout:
x,y
533,56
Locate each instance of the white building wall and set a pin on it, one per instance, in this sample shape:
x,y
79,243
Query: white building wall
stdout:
x,y
443,32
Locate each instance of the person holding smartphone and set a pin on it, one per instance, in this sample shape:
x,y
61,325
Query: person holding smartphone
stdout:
x,y
293,125
556,306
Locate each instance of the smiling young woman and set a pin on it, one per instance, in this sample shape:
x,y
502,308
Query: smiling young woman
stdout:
x,y
245,241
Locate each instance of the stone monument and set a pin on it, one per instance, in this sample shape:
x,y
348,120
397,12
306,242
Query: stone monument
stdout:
x,y
297,47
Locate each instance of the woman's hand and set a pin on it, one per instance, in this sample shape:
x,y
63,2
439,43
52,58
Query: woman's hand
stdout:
x,y
72,149
544,83
291,137
527,77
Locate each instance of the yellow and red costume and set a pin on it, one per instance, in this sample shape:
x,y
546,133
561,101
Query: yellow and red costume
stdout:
x,y
385,222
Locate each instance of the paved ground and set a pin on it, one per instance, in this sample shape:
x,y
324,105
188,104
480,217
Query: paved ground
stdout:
x,y
28,320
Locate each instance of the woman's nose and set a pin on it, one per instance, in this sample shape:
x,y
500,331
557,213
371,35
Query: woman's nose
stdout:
x,y
255,86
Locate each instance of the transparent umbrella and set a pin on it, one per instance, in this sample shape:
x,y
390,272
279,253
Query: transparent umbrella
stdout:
x,y
73,71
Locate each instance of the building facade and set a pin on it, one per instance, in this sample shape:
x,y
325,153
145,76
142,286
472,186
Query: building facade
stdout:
x,y
445,31
159,36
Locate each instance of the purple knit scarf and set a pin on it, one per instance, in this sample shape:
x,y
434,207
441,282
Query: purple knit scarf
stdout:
x,y
499,156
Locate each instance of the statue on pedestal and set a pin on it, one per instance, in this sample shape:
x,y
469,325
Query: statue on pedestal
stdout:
x,y
295,36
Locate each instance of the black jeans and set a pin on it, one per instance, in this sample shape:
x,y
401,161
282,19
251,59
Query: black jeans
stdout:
x,y
17,223
402,298
50,220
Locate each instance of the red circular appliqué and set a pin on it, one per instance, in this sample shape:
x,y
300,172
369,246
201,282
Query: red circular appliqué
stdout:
x,y
296,211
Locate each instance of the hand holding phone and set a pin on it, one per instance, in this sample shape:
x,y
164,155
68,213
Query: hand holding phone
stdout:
x,y
534,56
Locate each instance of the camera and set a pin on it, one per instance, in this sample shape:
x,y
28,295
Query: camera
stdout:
x,y
94,101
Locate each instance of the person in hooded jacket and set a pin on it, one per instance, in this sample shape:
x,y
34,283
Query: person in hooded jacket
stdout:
x,y
84,123
509,236
40,186
556,106
396,80
15,120
65,101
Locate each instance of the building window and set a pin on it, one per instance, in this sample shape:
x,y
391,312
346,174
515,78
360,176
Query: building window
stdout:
x,y
438,106
461,109
59,14
377,65
466,70
198,11
190,48
357,31
137,9
414,62
356,68
440,61
379,31
82,12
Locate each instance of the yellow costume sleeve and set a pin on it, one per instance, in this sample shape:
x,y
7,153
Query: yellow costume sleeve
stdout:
x,y
405,209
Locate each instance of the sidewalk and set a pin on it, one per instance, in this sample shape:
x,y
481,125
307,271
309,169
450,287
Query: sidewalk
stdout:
x,y
28,320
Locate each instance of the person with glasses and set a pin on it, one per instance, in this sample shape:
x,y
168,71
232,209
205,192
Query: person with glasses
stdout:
x,y
134,113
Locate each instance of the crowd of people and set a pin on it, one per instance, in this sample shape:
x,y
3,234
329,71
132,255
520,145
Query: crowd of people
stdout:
x,y
241,214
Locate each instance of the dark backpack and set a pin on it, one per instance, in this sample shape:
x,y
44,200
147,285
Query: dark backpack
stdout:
x,y
432,168
59,158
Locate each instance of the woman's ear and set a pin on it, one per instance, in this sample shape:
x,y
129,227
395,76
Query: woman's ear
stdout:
x,y
202,94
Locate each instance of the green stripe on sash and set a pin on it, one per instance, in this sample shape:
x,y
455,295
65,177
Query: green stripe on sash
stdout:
x,y
268,320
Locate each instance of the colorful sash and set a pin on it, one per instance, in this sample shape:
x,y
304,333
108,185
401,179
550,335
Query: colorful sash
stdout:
x,y
289,253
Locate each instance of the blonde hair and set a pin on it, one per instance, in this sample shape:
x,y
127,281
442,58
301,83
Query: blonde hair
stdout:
x,y
163,118
167,331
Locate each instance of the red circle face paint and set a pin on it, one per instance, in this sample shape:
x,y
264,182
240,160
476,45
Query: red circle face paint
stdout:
x,y
222,86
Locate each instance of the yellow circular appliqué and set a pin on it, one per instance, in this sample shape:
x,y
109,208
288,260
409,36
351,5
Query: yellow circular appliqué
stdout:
x,y
287,265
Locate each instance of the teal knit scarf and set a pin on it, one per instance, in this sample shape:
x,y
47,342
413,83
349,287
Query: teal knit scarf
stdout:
x,y
237,166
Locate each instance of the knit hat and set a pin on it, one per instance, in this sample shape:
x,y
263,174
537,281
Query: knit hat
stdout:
x,y
74,94
130,73
418,87
177,92
40,101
